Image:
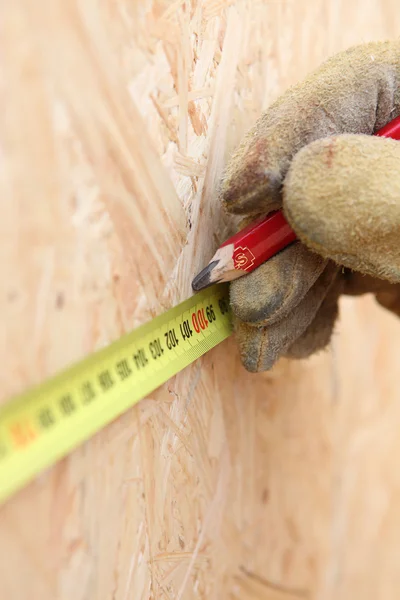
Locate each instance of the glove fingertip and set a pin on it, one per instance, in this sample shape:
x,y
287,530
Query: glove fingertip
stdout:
x,y
256,354
251,190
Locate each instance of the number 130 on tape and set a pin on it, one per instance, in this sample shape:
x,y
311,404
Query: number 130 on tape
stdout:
x,y
44,424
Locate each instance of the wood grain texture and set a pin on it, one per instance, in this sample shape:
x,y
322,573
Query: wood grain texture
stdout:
x,y
116,121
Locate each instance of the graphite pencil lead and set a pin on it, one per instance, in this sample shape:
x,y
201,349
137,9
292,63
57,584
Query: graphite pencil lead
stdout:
x,y
204,278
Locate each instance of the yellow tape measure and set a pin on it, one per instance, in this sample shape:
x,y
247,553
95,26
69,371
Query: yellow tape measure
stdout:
x,y
44,424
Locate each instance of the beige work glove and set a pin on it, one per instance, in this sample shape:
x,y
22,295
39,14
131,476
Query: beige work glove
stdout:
x,y
313,154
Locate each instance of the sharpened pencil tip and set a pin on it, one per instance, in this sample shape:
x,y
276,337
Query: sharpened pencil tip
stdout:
x,y
204,278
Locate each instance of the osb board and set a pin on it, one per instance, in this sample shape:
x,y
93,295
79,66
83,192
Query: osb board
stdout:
x,y
116,120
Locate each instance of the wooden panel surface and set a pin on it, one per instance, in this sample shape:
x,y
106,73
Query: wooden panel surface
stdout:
x,y
116,121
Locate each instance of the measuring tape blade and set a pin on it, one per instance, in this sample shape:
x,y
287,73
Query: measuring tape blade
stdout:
x,y
44,424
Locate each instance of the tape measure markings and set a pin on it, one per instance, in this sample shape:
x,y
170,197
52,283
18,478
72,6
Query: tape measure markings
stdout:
x,y
42,425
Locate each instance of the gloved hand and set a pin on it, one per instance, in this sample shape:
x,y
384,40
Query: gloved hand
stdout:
x,y
313,154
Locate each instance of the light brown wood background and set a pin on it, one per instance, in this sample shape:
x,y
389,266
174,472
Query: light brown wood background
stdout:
x,y
116,121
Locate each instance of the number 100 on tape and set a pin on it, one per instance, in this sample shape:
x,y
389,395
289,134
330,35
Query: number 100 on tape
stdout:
x,y
44,424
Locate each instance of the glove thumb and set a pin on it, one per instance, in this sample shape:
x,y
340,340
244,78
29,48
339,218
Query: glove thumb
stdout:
x,y
341,196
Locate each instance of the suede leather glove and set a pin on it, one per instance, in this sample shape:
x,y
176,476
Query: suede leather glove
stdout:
x,y
313,154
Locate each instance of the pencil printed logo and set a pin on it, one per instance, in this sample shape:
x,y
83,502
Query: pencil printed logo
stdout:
x,y
243,258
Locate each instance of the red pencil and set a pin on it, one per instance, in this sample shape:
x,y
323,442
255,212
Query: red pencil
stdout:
x,y
256,243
